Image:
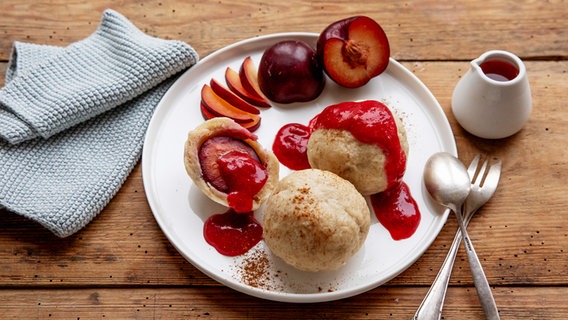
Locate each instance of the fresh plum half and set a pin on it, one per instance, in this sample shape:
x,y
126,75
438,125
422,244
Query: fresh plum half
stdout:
x,y
210,152
353,51
289,71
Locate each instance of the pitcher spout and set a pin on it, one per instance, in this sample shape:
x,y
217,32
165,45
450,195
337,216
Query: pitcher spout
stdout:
x,y
499,66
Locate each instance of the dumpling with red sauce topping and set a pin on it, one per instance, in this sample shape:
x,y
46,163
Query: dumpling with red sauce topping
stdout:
x,y
362,142
229,165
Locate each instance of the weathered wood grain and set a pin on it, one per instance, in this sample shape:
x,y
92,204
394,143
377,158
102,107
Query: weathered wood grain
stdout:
x,y
417,29
223,303
121,265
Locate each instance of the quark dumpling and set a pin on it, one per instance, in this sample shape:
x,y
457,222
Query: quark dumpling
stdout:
x,y
315,220
362,142
229,165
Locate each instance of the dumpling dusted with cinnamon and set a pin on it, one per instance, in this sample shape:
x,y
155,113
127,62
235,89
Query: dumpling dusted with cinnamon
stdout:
x,y
229,165
315,220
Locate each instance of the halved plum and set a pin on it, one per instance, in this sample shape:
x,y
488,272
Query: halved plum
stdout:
x,y
353,51
210,152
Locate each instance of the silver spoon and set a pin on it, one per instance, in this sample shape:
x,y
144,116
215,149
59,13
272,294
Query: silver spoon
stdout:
x,y
447,181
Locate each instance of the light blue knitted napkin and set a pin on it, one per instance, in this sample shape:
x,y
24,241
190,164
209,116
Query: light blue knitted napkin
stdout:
x,y
73,119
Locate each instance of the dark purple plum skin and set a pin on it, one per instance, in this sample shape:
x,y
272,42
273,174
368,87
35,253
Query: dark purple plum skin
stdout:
x,y
289,72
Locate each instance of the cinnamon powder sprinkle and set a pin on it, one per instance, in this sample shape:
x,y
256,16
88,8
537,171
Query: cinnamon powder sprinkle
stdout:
x,y
255,271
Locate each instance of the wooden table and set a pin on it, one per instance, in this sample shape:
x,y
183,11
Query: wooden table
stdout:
x,y
122,266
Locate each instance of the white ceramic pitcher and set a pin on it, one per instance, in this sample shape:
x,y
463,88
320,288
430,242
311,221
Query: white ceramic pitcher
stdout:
x,y
493,99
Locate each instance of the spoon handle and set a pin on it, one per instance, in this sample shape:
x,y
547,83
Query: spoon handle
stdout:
x,y
431,306
433,303
481,285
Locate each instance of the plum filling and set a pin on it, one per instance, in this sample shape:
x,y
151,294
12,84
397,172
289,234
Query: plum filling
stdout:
x,y
231,166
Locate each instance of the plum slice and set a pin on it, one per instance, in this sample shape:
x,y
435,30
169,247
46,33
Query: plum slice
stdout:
x,y
234,83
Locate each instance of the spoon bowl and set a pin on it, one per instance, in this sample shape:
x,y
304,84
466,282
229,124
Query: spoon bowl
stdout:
x,y
446,180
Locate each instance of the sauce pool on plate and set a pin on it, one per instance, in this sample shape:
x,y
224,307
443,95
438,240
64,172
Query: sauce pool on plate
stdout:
x,y
231,233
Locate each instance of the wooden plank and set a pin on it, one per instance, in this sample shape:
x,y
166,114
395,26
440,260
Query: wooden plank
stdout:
x,y
417,29
519,234
121,266
3,67
223,303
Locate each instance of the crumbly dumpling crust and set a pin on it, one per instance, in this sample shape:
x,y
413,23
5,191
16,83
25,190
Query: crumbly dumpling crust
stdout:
x,y
315,220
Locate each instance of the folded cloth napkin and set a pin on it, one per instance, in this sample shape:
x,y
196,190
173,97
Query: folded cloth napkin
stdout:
x,y
73,119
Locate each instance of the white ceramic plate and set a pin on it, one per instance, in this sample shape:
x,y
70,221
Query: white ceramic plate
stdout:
x,y
180,208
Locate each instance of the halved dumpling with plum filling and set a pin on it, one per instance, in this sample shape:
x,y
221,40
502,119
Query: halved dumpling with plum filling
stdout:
x,y
229,165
